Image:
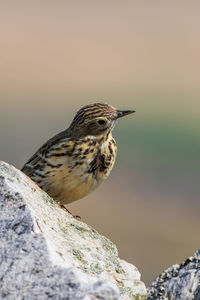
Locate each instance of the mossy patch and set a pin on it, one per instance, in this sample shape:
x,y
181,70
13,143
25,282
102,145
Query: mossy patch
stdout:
x,y
119,270
96,268
128,291
47,199
79,255
108,246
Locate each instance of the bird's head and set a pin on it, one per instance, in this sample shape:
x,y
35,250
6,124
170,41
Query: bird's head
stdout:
x,y
96,119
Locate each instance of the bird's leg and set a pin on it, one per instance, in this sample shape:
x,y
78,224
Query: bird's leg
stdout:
x,y
64,207
76,217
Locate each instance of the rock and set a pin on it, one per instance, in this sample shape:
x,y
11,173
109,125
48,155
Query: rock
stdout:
x,y
179,282
47,254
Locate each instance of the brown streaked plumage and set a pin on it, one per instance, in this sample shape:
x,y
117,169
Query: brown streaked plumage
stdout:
x,y
74,162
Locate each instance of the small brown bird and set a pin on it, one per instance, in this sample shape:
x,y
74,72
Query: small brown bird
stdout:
x,y
74,162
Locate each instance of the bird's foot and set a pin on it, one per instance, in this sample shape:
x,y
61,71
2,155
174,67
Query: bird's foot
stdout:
x,y
64,207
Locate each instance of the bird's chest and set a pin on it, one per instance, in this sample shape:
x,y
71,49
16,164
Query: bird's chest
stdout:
x,y
89,164
95,159
100,165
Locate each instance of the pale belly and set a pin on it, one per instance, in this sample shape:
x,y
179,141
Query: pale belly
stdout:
x,y
73,187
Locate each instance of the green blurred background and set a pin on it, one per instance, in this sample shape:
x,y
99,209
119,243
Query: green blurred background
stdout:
x,y
57,56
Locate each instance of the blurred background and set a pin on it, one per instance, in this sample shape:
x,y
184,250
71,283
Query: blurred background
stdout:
x,y
56,56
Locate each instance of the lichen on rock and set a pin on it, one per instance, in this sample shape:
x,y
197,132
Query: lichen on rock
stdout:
x,y
45,251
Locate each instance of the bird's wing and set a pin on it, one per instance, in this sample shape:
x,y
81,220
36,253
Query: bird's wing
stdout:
x,y
40,156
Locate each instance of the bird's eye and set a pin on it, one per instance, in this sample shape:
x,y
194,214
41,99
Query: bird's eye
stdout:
x,y
101,122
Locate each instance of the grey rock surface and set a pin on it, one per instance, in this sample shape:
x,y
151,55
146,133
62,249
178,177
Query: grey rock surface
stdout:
x,y
179,282
47,254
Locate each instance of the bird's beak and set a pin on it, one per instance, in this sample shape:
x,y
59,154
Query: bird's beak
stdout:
x,y
122,113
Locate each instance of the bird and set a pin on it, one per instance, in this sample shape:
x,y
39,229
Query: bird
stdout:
x,y
75,161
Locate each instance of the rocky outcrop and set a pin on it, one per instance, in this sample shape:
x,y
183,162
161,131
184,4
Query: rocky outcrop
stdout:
x,y
47,254
179,282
